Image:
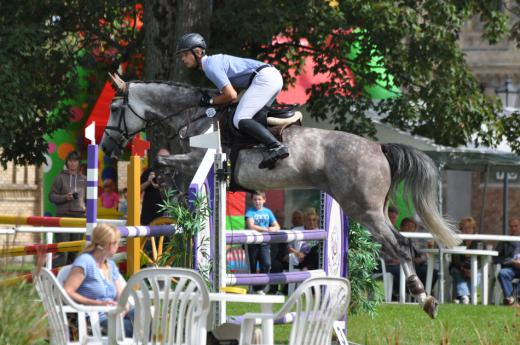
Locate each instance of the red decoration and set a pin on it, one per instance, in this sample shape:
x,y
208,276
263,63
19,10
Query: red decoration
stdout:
x,y
139,146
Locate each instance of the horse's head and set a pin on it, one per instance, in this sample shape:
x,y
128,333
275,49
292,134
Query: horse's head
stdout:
x,y
146,104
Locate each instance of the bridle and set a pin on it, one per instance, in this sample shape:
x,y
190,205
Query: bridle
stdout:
x,y
122,127
126,135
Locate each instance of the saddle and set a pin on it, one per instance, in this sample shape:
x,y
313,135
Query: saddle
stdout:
x,y
275,118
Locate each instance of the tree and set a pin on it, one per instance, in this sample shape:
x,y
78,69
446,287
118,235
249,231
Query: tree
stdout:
x,y
41,47
415,41
162,29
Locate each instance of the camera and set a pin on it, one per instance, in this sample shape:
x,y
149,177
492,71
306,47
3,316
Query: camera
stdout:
x,y
75,195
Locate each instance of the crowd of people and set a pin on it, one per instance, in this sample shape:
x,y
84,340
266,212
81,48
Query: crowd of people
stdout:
x,y
460,265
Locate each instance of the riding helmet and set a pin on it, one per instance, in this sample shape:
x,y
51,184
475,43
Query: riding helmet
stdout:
x,y
190,41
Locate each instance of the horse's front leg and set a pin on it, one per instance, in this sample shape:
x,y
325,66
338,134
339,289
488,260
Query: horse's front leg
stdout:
x,y
186,163
184,166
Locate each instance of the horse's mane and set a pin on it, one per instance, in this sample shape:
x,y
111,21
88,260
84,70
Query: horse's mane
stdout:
x,y
165,82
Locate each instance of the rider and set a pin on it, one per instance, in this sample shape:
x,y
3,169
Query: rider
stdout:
x,y
263,83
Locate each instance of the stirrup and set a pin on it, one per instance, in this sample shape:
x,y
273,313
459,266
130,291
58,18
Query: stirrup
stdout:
x,y
273,155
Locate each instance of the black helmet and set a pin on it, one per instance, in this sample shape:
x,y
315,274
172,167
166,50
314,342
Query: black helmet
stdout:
x,y
190,41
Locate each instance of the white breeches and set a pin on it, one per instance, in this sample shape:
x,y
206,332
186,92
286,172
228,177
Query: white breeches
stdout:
x,y
263,90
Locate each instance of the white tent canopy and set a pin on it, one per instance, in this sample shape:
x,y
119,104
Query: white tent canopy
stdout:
x,y
453,158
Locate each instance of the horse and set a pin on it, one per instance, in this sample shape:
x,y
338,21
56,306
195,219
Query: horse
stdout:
x,y
360,174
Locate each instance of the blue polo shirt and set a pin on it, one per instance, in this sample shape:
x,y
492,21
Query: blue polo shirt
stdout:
x,y
224,69
95,285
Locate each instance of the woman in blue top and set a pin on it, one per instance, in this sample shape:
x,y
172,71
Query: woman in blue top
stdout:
x,y
95,279
263,83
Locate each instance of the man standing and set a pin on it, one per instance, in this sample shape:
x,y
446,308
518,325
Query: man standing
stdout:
x,y
151,194
68,194
509,258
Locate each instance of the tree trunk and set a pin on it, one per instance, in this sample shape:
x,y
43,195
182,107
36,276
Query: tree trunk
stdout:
x,y
164,22
194,16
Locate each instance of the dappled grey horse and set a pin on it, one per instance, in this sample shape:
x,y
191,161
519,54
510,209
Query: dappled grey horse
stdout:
x,y
360,174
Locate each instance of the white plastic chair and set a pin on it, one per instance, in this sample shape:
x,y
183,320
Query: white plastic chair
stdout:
x,y
317,303
388,281
171,307
498,295
58,304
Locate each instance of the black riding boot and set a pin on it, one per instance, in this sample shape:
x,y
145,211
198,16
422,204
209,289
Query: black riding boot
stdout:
x,y
275,149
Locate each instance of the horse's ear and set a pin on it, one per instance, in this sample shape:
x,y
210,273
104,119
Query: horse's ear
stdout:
x,y
120,83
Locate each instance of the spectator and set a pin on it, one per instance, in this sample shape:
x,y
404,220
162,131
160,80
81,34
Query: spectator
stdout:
x,y
280,254
304,254
68,194
94,278
297,219
509,258
261,219
151,195
123,202
109,198
420,259
460,266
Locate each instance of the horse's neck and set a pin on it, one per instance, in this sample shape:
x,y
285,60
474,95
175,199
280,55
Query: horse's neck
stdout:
x,y
164,99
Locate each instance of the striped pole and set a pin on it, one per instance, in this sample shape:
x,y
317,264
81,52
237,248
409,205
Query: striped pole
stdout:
x,y
92,188
92,179
54,221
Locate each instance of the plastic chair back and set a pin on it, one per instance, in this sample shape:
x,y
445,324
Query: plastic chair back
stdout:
x,y
171,306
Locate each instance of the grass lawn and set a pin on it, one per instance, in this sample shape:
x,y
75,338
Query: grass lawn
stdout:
x,y
408,325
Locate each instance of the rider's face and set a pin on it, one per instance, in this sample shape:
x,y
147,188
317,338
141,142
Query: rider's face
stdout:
x,y
188,57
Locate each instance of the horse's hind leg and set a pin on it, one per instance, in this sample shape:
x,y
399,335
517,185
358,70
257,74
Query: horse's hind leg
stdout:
x,y
396,246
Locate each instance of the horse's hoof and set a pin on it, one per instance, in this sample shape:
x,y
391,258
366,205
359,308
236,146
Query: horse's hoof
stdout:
x,y
431,307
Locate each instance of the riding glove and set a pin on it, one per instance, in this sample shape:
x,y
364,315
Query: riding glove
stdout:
x,y
206,101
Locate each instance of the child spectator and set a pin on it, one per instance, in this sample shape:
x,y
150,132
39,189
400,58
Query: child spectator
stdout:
x,y
261,219
123,202
109,198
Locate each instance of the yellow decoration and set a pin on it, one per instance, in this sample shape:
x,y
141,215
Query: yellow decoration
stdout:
x,y
234,289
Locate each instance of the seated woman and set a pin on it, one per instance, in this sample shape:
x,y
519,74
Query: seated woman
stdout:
x,y
304,254
420,260
94,278
460,266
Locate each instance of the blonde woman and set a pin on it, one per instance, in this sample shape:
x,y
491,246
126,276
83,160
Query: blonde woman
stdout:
x,y
94,278
460,267
304,254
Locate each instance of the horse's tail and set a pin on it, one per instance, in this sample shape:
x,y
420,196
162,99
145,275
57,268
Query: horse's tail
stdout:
x,y
420,176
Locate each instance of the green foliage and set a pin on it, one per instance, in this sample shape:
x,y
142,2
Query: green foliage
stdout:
x,y
189,221
362,260
414,44
415,41
40,45
23,318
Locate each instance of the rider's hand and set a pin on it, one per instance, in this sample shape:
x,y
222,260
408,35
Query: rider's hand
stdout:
x,y
206,101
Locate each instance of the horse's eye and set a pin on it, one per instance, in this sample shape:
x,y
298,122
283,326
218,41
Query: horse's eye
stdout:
x,y
113,107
